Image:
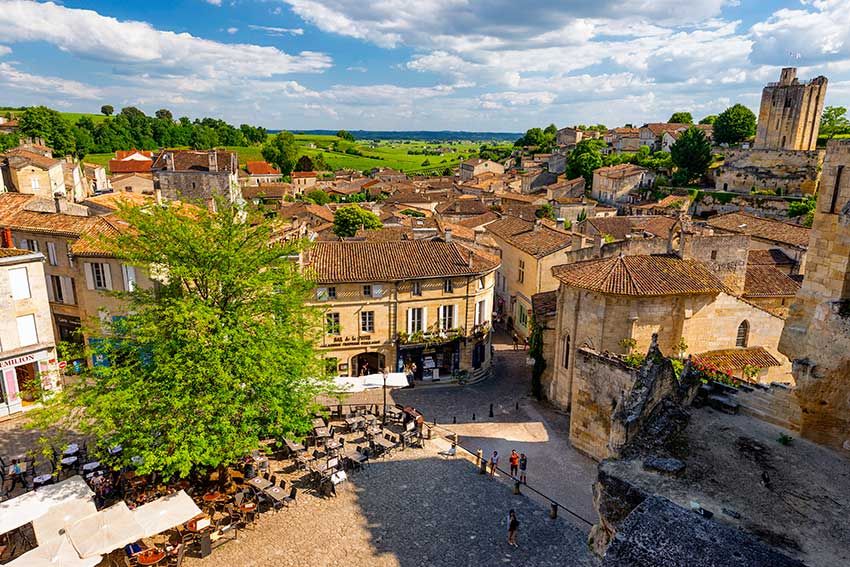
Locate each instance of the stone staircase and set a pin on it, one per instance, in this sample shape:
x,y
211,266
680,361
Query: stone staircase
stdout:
x,y
774,404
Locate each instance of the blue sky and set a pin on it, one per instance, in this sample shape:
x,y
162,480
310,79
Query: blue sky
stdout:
x,y
498,65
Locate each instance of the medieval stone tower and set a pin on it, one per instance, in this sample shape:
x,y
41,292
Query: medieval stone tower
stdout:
x,y
816,336
789,116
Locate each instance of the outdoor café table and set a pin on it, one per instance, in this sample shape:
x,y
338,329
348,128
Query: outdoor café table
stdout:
x,y
259,483
322,432
275,492
332,444
213,496
72,449
150,556
88,467
67,461
293,447
41,480
374,430
356,456
394,413
353,422
318,422
115,450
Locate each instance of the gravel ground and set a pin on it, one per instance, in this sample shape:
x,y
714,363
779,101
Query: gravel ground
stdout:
x,y
412,509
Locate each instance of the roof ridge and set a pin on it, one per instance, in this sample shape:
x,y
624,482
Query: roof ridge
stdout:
x,y
632,279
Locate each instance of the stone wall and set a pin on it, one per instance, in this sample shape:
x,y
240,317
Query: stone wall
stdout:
x,y
769,206
724,254
195,186
793,172
776,404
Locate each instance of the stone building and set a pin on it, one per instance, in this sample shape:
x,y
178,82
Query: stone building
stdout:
x,y
767,234
260,172
817,333
141,183
616,304
789,115
304,180
199,176
31,173
529,250
786,172
614,183
393,303
651,134
27,345
568,136
474,167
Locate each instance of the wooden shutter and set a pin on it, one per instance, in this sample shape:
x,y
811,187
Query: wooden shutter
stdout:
x,y
51,254
67,290
89,275
107,276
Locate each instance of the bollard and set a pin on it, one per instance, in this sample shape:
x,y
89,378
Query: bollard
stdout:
x,y
553,510
435,422
491,410
478,456
473,416
517,406
482,469
516,487
454,419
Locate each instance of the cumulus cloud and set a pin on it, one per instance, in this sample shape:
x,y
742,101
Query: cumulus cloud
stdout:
x,y
13,78
275,31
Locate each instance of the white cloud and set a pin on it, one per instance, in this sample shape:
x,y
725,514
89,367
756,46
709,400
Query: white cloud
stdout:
x,y
275,31
5,50
357,69
819,32
88,34
232,31
214,2
13,78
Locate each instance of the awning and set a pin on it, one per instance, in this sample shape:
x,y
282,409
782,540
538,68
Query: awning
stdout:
x,y
348,384
165,513
109,529
52,525
58,552
353,384
28,507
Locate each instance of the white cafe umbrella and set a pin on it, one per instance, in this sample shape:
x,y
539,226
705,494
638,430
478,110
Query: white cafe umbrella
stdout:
x,y
109,529
348,384
52,525
58,552
28,507
394,380
165,513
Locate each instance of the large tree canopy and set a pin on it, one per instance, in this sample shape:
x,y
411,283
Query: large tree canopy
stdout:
x,y
692,154
350,218
834,121
586,157
681,118
734,125
281,151
217,357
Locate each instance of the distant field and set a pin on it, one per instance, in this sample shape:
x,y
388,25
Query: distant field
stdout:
x,y
384,153
71,117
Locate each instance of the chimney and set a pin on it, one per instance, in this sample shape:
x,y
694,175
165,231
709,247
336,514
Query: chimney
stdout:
x,y
57,202
597,244
213,160
470,259
577,241
448,235
157,195
7,238
788,76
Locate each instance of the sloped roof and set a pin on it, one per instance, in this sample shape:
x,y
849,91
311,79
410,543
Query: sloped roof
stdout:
x,y
544,304
479,220
531,238
351,261
620,227
14,215
261,168
464,205
766,229
641,276
771,257
90,241
302,209
21,158
726,360
620,171
769,281
658,128
196,160
12,252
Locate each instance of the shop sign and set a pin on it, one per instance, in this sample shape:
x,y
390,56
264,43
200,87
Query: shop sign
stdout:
x,y
24,359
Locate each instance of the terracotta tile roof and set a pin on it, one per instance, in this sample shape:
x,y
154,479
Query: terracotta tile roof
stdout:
x,y
772,257
458,231
129,166
18,158
544,304
464,205
730,359
304,209
519,197
769,281
385,234
620,171
418,197
348,261
658,128
479,220
196,160
531,238
620,227
303,174
261,168
641,276
90,243
113,200
765,229
124,154
12,252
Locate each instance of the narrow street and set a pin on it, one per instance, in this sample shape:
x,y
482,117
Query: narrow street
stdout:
x,y
519,422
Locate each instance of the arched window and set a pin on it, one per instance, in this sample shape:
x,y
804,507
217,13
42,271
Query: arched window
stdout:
x,y
743,334
567,351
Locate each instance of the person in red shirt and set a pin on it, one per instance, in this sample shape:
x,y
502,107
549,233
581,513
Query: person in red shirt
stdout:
x,y
514,461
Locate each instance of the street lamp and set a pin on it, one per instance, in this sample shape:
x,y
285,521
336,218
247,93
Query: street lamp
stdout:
x,y
384,420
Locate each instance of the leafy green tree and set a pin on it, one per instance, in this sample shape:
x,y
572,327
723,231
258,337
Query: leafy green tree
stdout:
x,y
8,141
164,114
203,138
281,151
584,159
47,124
345,135
804,209
681,118
83,141
834,121
107,110
734,125
304,164
219,356
551,130
709,119
546,211
350,218
318,197
691,153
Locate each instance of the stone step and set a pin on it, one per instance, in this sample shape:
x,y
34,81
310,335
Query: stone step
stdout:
x,y
723,403
779,421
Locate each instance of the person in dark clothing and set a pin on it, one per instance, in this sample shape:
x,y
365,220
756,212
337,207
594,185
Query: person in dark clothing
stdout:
x,y
513,527
523,464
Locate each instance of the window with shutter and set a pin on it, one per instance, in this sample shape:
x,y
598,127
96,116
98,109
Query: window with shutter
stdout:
x,y
51,254
27,334
20,283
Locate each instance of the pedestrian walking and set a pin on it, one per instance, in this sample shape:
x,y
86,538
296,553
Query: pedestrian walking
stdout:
x,y
525,343
513,527
494,462
523,464
516,340
514,461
